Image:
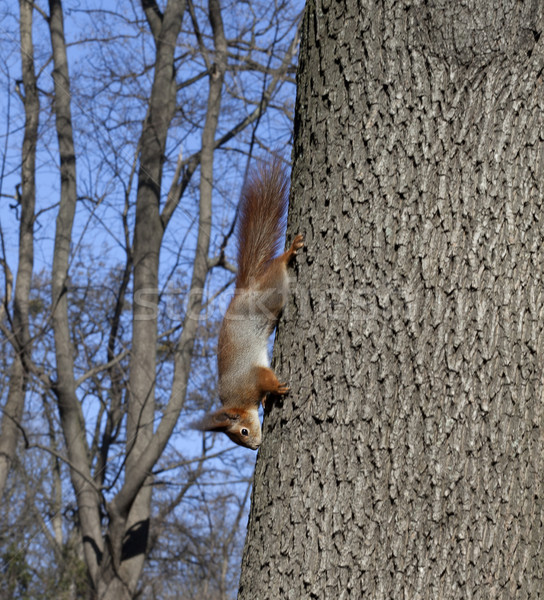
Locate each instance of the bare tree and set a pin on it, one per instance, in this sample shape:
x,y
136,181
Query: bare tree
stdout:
x,y
18,334
408,460
117,372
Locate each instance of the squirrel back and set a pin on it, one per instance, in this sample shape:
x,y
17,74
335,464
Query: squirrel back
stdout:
x,y
261,221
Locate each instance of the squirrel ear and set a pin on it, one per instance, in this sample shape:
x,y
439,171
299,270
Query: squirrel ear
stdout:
x,y
220,420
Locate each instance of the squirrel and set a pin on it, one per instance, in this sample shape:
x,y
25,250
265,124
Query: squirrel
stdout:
x,y
245,376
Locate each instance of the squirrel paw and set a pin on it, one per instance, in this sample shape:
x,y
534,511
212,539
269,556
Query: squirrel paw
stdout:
x,y
282,389
298,243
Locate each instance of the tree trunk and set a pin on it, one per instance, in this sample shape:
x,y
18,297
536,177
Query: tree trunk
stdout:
x,y
130,512
71,416
13,409
408,460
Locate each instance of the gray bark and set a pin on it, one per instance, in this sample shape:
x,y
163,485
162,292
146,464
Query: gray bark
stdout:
x,y
408,460
20,336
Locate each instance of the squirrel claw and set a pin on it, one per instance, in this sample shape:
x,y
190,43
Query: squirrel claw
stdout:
x,y
298,243
282,389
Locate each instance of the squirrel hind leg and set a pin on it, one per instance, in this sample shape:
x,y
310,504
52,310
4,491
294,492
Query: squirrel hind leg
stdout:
x,y
289,255
274,282
297,244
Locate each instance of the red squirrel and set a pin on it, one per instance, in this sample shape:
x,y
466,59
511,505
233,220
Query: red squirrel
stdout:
x,y
245,376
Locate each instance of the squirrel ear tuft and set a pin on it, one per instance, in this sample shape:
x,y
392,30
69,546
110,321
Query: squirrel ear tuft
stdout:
x,y
220,420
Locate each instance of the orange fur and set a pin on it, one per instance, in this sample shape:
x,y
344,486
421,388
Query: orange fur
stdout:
x,y
245,377
261,221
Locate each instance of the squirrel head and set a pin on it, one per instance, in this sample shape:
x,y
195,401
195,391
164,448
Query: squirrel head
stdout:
x,y
241,425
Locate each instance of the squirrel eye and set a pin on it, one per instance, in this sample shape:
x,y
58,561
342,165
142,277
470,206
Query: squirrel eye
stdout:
x,y
244,432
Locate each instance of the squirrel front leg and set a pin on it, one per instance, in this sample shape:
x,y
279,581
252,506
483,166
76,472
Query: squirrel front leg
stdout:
x,y
268,383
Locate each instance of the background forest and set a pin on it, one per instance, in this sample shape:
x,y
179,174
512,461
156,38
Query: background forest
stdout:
x,y
127,130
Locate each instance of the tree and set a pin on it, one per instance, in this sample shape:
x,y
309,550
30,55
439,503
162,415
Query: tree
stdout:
x,y
99,376
19,334
408,461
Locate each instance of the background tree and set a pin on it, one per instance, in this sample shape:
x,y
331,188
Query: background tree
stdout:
x,y
116,334
408,460
19,333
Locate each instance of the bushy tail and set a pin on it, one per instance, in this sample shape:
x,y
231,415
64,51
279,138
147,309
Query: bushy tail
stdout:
x,y
261,220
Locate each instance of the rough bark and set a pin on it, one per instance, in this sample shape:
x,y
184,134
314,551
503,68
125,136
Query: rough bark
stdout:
x,y
20,339
408,460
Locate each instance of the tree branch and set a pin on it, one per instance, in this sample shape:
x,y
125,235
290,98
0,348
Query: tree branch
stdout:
x,y
190,164
154,18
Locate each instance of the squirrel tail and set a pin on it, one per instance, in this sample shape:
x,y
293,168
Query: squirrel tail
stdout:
x,y
261,220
